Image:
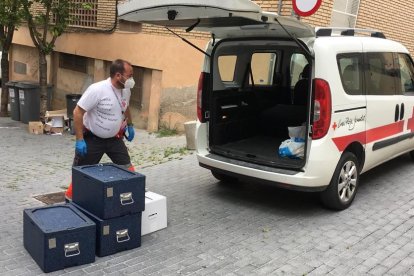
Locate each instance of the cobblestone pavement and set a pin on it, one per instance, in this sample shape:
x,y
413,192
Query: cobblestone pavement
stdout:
x,y
216,228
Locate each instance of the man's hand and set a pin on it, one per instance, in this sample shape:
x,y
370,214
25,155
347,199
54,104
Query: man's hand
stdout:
x,y
131,133
81,148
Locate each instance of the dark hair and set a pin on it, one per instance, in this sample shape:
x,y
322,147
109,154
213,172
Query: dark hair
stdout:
x,y
117,66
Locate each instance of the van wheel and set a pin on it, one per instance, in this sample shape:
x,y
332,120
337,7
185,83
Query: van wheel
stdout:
x,y
223,177
344,184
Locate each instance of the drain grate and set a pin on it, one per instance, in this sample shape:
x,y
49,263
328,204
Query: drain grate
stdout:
x,y
51,198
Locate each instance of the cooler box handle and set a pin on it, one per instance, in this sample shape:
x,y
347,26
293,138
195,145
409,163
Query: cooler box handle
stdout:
x,y
126,198
72,249
122,235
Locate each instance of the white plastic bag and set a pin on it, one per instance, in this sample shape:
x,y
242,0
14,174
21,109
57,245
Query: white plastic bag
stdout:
x,y
295,146
297,132
292,148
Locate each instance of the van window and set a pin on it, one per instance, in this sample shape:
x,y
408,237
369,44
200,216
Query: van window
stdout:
x,y
297,63
263,68
381,74
227,65
406,74
350,70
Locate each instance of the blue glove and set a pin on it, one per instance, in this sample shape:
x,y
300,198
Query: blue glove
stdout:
x,y
131,133
80,147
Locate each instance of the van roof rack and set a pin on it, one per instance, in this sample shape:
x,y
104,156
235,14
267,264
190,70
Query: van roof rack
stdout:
x,y
338,31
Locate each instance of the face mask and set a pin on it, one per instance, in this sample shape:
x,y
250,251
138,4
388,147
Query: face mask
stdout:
x,y
129,83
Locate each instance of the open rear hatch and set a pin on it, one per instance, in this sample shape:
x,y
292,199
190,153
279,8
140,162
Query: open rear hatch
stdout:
x,y
183,14
222,18
227,20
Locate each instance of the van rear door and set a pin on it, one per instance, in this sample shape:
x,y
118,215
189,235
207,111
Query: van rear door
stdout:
x,y
236,18
184,13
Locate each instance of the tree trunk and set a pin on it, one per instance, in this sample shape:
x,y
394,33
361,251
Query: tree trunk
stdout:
x,y
4,80
6,34
43,83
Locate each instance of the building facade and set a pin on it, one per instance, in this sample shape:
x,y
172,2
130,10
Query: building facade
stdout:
x,y
166,69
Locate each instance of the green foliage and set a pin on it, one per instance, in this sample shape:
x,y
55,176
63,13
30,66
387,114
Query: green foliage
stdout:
x,y
11,16
165,131
49,17
171,151
8,12
86,6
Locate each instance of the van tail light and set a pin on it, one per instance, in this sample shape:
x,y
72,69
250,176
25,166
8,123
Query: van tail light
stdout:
x,y
200,114
322,109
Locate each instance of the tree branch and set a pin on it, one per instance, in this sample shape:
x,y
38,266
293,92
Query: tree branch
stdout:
x,y
31,25
32,31
45,23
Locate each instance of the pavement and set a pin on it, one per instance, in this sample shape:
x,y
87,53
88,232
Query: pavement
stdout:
x,y
216,228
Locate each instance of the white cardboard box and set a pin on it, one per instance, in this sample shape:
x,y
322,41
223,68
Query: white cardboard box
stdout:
x,y
55,121
154,217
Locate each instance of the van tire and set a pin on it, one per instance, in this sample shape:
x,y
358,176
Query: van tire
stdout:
x,y
331,197
223,177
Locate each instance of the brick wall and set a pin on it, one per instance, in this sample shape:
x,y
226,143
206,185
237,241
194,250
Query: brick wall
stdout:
x,y
106,14
394,18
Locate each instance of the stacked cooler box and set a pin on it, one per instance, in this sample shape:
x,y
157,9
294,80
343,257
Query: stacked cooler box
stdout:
x,y
58,236
114,199
109,213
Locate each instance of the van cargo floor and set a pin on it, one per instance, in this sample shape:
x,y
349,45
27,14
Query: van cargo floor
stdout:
x,y
258,149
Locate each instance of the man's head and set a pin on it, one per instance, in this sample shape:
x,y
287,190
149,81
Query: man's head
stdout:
x,y
121,74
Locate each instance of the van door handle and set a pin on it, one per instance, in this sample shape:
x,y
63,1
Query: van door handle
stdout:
x,y
397,113
229,106
402,111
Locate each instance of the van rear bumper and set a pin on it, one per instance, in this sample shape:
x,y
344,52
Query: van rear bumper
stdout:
x,y
284,178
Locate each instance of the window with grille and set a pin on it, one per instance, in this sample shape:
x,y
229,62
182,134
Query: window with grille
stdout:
x,y
73,62
344,13
84,13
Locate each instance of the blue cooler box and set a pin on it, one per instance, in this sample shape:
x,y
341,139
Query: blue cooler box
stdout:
x,y
58,236
107,190
115,234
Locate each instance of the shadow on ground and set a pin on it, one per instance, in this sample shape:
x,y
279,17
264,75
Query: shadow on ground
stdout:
x,y
268,197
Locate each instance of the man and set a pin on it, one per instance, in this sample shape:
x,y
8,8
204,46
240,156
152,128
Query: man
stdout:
x,y
102,118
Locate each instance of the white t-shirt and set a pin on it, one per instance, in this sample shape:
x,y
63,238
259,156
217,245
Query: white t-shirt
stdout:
x,y
104,106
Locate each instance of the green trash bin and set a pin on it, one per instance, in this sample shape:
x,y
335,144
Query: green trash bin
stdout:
x,y
29,101
14,100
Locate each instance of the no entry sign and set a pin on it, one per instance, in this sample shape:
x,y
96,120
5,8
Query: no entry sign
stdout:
x,y
306,7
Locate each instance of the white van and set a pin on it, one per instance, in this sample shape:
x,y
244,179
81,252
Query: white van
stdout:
x,y
350,91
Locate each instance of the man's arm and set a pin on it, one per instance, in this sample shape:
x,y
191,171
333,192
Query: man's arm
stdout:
x,y
78,122
128,116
